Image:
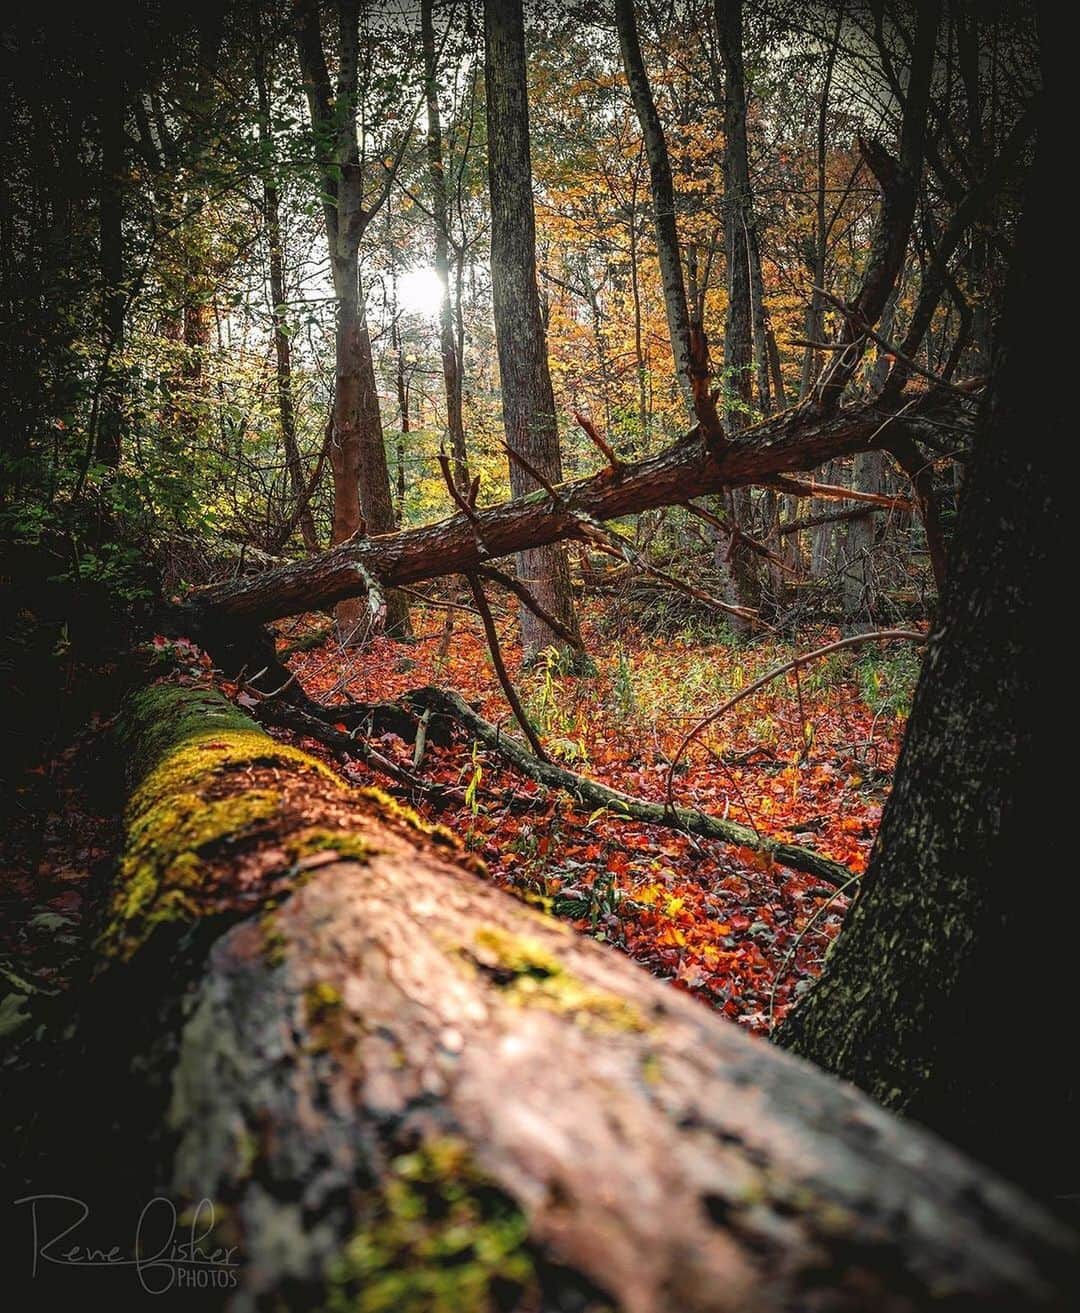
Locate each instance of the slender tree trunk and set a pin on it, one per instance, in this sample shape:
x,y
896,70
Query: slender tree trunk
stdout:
x,y
440,212
921,996
859,537
819,248
689,349
744,321
640,359
528,400
362,501
109,437
282,344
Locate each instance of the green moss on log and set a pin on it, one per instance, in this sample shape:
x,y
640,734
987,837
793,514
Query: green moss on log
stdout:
x,y
440,1238
183,745
530,976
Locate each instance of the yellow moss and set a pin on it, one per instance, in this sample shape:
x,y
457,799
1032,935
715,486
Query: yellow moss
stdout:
x,y
401,811
164,865
185,741
440,1238
348,845
322,1011
530,976
273,939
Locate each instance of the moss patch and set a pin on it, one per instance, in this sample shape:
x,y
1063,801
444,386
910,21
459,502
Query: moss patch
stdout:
x,y
185,747
391,809
348,846
323,1015
530,976
440,1239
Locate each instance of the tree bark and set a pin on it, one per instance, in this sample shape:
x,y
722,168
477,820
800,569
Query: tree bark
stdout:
x,y
741,573
917,995
528,400
398,1087
689,349
110,428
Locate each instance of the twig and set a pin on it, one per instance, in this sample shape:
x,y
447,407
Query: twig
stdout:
x,y
440,658
888,347
519,590
880,635
598,440
530,469
436,602
836,893
500,668
734,531
463,503
466,503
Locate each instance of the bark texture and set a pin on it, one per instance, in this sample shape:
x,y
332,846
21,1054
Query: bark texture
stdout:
x,y
528,400
440,214
403,1089
916,1001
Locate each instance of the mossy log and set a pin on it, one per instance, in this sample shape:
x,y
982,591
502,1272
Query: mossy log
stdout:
x,y
402,1089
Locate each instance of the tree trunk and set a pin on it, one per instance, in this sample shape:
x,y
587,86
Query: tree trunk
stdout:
x,y
110,426
397,1087
528,401
918,999
282,345
440,213
740,567
689,349
362,500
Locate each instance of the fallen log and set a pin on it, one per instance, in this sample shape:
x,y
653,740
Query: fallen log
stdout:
x,y
397,1088
795,440
594,794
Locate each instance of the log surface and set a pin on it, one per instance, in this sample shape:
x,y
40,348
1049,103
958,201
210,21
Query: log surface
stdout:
x,y
404,1089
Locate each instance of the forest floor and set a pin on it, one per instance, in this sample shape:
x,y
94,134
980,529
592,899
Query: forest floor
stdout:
x,y
811,763
722,922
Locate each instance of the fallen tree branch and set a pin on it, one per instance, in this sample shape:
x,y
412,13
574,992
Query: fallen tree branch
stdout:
x,y
500,668
348,745
826,517
833,492
519,590
594,794
793,440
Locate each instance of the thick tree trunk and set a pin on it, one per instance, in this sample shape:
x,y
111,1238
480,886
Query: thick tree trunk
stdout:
x,y
528,400
399,1088
919,997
